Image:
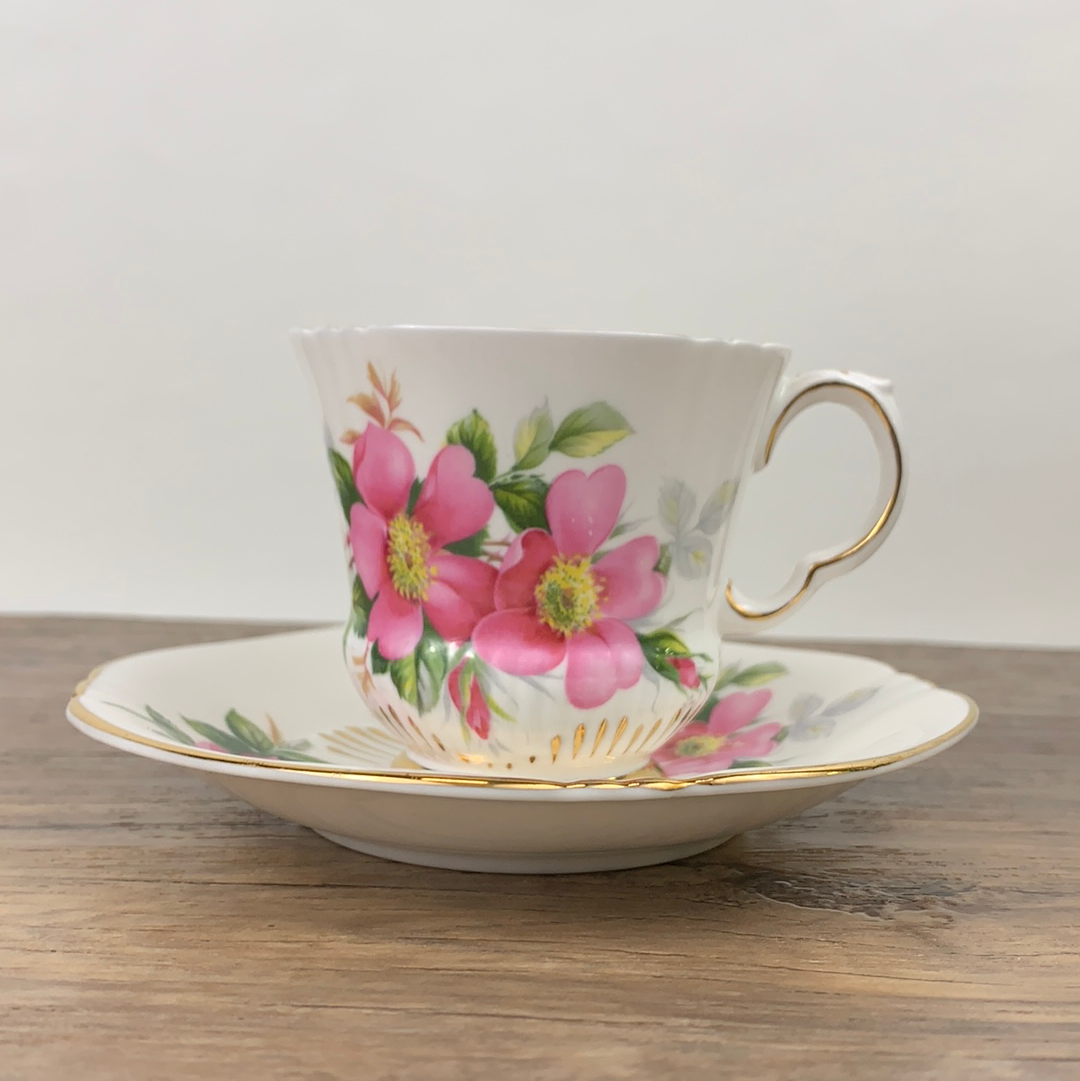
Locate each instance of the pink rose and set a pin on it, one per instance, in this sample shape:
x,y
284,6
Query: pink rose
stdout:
x,y
401,557
555,601
687,671
713,745
470,702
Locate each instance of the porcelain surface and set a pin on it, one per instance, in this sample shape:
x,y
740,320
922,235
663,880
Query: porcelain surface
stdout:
x,y
535,526
275,721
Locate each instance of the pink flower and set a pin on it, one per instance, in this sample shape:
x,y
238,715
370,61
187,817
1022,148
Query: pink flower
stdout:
x,y
713,745
472,705
686,671
401,557
206,745
555,601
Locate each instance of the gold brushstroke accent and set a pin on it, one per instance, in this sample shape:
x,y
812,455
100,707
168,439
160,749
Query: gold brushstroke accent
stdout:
x,y
652,731
438,743
532,758
556,743
419,731
269,767
634,738
394,724
599,736
618,735
862,542
579,739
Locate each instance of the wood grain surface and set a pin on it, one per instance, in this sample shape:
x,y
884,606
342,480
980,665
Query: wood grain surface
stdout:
x,y
923,925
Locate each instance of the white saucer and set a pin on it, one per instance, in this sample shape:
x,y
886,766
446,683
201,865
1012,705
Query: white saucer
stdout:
x,y
276,721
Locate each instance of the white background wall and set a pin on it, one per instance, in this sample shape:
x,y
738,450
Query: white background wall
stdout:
x,y
891,187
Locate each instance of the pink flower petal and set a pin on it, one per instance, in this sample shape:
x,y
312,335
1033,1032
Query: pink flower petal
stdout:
x,y
583,510
384,471
529,555
736,711
460,593
395,623
754,742
631,587
453,504
367,538
516,642
626,657
590,670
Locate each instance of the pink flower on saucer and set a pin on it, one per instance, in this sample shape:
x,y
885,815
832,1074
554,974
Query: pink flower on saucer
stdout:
x,y
401,556
714,744
556,601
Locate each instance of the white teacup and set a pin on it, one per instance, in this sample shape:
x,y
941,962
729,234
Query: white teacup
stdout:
x,y
536,525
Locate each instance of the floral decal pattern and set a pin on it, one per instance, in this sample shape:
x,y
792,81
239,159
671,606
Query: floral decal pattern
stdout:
x,y
473,571
239,736
733,730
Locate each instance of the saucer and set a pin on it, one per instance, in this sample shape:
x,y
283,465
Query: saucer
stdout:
x,y
276,721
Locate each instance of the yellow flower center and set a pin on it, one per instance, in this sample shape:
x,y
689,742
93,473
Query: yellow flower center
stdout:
x,y
699,746
407,550
568,595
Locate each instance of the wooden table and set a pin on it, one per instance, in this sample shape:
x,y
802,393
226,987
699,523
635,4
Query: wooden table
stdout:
x,y
924,925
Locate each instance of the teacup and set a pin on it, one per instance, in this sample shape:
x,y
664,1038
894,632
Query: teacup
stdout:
x,y
536,524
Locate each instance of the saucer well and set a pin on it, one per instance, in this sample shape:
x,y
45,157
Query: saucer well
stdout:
x,y
276,721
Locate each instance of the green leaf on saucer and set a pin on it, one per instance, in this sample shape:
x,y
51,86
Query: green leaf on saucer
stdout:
x,y
757,674
168,728
590,430
522,500
225,740
474,434
249,732
286,755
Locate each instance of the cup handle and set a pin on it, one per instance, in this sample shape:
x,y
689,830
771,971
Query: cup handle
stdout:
x,y
871,399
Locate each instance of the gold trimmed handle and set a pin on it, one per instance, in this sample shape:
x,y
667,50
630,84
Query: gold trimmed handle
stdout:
x,y
871,400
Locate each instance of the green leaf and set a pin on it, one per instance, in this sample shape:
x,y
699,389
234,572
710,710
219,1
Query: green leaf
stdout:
x,y
659,647
361,607
404,675
225,740
377,662
343,480
532,438
726,676
750,763
470,546
168,728
757,674
522,499
285,755
663,562
432,667
590,430
249,732
474,434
